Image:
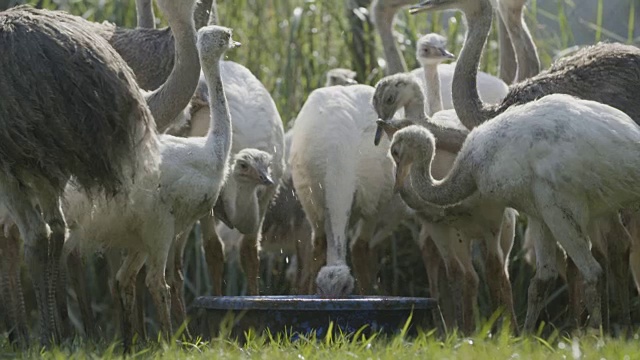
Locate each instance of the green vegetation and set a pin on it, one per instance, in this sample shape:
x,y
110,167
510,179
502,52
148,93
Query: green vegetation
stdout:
x,y
290,44
424,346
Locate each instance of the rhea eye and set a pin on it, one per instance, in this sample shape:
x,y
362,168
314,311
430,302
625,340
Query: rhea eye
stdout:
x,y
390,100
394,153
243,166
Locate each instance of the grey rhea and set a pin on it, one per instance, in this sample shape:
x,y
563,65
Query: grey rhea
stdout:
x,y
52,129
605,72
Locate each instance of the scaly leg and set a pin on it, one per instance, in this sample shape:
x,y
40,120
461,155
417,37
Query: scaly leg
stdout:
x,y
441,235
436,273
213,251
618,244
319,257
34,232
600,253
461,246
304,253
175,278
76,268
126,288
250,245
160,293
361,257
57,299
11,288
574,286
497,274
568,224
546,272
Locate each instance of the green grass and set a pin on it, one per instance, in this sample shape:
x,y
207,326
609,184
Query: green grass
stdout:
x,y
423,346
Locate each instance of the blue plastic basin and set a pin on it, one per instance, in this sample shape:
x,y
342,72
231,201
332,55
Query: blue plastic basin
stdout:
x,y
305,314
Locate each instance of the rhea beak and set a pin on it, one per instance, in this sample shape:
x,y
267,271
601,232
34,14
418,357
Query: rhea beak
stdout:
x,y
427,5
265,179
447,54
350,81
402,171
376,140
234,44
388,129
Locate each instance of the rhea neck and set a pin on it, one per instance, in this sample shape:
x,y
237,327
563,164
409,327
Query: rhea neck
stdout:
x,y
241,203
414,108
144,14
383,18
507,65
432,81
522,42
219,135
454,188
167,101
206,13
466,100
449,139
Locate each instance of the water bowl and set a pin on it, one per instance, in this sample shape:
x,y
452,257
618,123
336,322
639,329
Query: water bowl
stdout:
x,y
303,314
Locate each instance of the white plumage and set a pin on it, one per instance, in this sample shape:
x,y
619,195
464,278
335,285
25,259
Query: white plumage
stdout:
x,y
564,161
333,136
491,89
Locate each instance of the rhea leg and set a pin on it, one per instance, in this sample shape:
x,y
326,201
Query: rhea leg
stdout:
x,y
304,253
361,257
461,246
319,257
441,236
567,221
632,220
34,232
496,266
76,269
160,294
436,273
618,241
175,277
11,287
600,253
250,245
53,216
213,252
126,288
575,292
546,272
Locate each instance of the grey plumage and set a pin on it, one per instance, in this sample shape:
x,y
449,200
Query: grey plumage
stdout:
x,y
70,109
608,73
149,53
70,105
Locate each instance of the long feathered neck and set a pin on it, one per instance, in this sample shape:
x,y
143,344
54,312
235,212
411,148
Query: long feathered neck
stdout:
x,y
383,19
203,12
454,188
213,16
525,49
507,65
219,135
432,80
241,203
167,101
449,139
144,14
414,108
466,100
